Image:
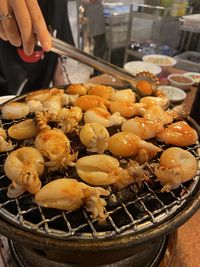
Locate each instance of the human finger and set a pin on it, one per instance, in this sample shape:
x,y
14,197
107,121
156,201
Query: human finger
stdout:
x,y
9,29
39,25
2,33
24,23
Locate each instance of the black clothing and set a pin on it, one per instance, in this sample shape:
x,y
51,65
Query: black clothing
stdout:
x,y
13,70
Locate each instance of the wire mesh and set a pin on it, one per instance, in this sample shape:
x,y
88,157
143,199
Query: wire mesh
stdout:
x,y
131,210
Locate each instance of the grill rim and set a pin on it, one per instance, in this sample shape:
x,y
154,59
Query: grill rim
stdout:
x,y
180,217
119,241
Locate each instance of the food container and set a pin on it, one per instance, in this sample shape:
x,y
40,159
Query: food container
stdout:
x,y
163,61
180,81
194,75
174,94
189,60
139,66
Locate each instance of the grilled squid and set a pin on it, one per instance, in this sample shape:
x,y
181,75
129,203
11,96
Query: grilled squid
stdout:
x,y
101,90
15,110
142,127
103,117
23,167
54,145
69,194
127,144
43,95
127,109
176,166
102,170
156,113
123,95
23,130
76,89
95,137
179,134
86,102
4,145
161,101
68,119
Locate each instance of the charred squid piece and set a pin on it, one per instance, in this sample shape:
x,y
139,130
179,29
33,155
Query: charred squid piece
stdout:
x,y
54,145
69,194
95,137
4,145
23,167
176,166
104,170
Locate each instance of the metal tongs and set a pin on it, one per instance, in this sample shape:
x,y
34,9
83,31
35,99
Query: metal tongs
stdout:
x,y
65,49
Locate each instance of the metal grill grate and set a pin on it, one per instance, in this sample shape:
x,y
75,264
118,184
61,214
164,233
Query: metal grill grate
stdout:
x,y
130,210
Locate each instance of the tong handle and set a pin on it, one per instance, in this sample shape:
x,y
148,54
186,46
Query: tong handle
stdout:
x,y
65,49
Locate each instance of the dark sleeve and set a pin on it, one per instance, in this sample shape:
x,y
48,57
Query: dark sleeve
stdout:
x,y
13,71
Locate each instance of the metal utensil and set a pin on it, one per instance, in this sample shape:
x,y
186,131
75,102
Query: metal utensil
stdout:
x,y
65,49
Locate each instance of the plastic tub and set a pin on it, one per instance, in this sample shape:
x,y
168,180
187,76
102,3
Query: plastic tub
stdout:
x,y
189,60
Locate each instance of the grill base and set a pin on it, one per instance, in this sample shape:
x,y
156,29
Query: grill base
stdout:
x,y
15,255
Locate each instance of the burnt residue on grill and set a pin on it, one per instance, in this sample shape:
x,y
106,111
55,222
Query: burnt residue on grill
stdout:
x,y
133,209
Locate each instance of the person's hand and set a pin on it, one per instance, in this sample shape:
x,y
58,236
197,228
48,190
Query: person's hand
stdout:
x,y
21,22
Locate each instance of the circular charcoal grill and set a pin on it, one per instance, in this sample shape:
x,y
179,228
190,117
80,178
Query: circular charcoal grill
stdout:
x,y
137,218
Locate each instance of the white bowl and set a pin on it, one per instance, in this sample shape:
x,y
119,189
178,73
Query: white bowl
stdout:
x,y
174,94
180,81
160,60
138,66
194,75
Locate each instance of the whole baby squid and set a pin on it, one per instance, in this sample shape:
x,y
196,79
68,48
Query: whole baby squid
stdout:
x,y
67,119
23,130
126,144
95,137
176,166
69,194
103,117
15,110
142,127
103,170
54,145
179,134
4,145
23,167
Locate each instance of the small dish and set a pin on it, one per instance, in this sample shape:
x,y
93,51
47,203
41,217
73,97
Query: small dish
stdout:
x,y
161,60
194,75
135,67
174,94
180,81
